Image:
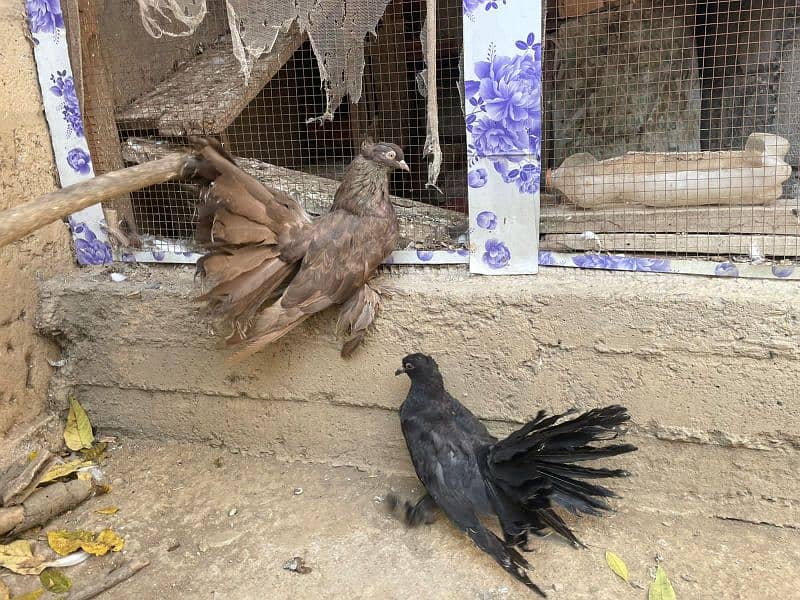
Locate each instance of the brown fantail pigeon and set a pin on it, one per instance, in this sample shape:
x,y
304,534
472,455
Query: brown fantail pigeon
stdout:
x,y
263,247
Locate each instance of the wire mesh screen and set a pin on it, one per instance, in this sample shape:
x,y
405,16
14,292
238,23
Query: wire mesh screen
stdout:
x,y
142,95
672,128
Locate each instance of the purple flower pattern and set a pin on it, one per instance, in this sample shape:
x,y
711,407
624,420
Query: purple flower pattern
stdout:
x,y
477,178
79,160
504,126
547,259
726,269
88,249
497,254
472,5
487,220
44,16
782,271
64,87
621,263
424,255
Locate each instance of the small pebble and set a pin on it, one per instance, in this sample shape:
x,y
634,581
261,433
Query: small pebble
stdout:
x,y
232,512
118,277
297,491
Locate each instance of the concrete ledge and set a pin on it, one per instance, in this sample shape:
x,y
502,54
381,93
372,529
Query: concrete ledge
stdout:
x,y
708,368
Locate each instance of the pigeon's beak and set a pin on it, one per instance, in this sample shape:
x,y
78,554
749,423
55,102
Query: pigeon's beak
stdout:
x,y
402,164
399,372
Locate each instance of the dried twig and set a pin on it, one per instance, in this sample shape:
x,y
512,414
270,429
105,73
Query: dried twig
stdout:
x,y
432,147
125,571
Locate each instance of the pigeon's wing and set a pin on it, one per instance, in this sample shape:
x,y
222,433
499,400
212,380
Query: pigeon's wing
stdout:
x,y
342,254
448,467
345,250
446,463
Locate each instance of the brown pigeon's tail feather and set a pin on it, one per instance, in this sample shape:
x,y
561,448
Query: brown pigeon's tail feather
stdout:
x,y
272,324
236,299
249,229
356,315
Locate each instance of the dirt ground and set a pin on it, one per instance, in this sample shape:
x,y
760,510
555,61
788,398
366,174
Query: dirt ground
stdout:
x,y
221,525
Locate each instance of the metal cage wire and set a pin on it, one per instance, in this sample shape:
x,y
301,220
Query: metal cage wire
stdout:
x,y
661,76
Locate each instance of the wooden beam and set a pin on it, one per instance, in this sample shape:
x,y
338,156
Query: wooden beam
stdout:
x,y
780,246
95,81
19,221
207,93
782,218
421,225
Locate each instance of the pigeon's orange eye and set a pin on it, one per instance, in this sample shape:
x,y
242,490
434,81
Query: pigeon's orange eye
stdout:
x,y
391,154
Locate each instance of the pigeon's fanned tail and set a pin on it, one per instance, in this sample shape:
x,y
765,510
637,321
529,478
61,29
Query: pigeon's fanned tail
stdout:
x,y
534,470
505,556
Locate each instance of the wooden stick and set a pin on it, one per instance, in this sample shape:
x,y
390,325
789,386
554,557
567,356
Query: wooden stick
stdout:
x,y
432,148
50,501
125,571
98,104
19,221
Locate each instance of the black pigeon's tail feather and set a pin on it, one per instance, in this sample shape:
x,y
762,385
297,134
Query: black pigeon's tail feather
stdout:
x,y
505,556
533,469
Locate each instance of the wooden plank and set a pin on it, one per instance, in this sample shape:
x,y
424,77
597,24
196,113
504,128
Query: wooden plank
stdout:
x,y
780,246
782,218
98,116
206,94
421,225
568,9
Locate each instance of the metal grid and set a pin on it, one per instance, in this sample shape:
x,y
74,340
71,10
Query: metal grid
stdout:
x,y
671,76
142,93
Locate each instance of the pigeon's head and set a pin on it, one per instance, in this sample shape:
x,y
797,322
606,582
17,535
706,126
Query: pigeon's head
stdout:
x,y
419,366
386,154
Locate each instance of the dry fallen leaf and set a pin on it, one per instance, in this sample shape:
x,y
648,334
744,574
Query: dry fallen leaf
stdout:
x,y
108,510
64,469
111,539
63,542
617,565
34,595
78,432
101,489
55,581
96,452
661,588
18,557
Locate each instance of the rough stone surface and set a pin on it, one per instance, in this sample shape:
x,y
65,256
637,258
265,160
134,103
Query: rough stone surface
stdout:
x,y
233,521
624,79
26,172
708,368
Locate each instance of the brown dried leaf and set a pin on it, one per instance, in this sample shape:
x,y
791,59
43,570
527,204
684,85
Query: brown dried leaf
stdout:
x,y
108,510
64,469
18,557
64,542
78,432
34,595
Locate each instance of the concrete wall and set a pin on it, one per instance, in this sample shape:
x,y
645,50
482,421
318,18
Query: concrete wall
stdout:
x,y
708,367
26,172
